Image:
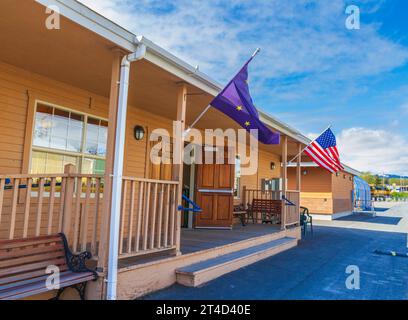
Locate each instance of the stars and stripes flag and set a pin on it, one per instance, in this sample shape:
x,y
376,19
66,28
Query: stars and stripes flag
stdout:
x,y
323,151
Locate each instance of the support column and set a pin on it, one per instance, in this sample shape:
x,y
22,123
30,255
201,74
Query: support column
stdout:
x,y
110,151
284,176
178,154
298,167
299,175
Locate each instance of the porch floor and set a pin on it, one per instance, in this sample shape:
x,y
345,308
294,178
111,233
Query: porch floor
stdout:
x,y
193,240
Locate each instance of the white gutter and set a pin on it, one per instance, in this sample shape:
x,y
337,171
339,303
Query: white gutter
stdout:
x,y
117,176
314,165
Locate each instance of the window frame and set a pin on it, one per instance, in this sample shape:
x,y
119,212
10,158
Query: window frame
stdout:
x,y
79,155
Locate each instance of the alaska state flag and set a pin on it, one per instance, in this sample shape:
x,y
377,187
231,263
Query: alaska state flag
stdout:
x,y
235,101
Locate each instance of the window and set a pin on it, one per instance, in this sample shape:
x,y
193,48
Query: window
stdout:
x,y
237,178
64,137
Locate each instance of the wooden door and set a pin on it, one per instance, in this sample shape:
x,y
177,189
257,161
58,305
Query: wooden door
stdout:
x,y
215,195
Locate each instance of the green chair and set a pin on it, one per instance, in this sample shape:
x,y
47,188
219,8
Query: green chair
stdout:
x,y
305,220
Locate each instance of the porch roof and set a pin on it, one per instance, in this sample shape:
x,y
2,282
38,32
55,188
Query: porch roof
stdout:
x,y
314,165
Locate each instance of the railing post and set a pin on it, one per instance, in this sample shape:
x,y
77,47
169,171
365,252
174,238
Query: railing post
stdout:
x,y
284,176
298,178
68,199
244,191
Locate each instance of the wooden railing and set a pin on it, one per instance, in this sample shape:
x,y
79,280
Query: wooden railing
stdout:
x,y
148,217
292,214
250,194
36,205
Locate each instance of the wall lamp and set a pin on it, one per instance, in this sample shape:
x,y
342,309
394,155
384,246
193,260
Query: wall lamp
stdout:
x,y
139,132
273,166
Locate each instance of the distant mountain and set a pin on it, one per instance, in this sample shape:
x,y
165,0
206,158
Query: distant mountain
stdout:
x,y
391,176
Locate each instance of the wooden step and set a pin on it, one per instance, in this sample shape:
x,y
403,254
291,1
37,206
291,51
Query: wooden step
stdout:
x,y
199,273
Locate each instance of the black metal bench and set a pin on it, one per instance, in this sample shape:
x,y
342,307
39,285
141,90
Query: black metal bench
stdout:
x,y
23,264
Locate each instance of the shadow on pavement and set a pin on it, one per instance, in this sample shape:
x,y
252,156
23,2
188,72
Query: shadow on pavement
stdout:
x,y
377,220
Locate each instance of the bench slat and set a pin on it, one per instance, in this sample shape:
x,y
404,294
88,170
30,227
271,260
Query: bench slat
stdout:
x,y
48,256
27,242
17,252
31,267
42,277
69,279
27,275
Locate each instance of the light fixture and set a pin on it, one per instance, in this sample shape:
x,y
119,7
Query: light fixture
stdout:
x,y
273,166
305,172
139,133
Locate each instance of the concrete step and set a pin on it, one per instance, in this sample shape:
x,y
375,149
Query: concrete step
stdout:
x,y
199,273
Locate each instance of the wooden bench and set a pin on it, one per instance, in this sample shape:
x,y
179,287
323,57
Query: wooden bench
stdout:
x,y
23,265
271,210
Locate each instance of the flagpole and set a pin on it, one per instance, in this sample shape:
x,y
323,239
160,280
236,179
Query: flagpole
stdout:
x,y
310,143
209,106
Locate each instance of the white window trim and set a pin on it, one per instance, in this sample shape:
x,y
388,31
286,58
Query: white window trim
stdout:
x,y
80,155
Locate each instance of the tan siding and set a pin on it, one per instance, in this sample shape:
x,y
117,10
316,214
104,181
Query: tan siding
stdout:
x,y
15,87
316,187
264,169
322,192
342,187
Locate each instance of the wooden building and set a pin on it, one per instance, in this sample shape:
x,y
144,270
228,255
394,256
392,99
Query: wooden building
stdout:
x,y
327,196
66,129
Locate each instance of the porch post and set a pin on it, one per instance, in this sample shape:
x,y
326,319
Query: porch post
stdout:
x,y
110,150
299,174
298,167
284,176
179,149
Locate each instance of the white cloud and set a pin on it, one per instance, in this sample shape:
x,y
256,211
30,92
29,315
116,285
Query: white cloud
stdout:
x,y
404,108
377,151
306,52
306,40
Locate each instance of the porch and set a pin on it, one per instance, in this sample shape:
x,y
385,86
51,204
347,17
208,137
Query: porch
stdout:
x,y
150,236
131,196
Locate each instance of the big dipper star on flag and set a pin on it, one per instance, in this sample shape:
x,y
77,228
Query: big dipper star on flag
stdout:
x,y
235,101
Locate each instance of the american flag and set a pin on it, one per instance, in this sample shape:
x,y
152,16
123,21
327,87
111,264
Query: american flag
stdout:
x,y
324,152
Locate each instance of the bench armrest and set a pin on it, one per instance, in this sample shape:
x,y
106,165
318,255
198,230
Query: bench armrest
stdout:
x,y
77,262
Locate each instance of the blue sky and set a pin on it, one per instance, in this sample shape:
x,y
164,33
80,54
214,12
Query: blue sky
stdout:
x,y
312,70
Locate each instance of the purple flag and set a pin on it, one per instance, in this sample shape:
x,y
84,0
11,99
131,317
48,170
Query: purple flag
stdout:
x,y
235,101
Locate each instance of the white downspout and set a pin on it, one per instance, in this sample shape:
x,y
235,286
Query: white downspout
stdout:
x,y
118,170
